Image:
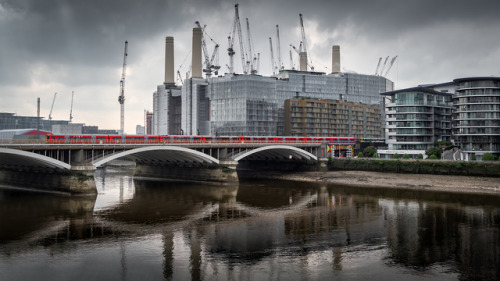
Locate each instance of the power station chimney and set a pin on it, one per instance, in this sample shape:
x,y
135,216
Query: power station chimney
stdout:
x,y
303,61
196,63
335,58
169,60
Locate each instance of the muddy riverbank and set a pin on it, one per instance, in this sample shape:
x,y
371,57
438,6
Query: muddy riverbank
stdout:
x,y
445,183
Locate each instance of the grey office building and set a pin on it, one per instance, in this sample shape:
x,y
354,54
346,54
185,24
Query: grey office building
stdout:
x,y
254,105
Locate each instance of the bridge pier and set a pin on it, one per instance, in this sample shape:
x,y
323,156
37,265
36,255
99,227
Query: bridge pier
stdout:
x,y
225,172
50,180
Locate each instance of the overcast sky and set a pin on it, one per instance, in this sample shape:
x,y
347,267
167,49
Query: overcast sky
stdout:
x,y
77,45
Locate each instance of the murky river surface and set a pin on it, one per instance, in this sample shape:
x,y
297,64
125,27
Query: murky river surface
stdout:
x,y
145,230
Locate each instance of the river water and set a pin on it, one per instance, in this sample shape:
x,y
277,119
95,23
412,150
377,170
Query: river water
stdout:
x,y
260,230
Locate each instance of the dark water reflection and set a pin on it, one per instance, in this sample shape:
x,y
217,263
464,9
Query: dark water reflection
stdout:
x,y
144,230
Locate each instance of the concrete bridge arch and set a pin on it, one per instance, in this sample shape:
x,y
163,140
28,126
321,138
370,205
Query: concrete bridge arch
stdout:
x,y
275,152
19,158
161,154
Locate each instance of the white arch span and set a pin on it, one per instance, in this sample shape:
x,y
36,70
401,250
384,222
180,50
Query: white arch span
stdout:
x,y
161,153
280,151
14,157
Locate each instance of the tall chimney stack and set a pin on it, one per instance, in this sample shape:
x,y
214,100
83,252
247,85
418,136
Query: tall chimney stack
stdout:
x,y
169,60
196,63
303,61
335,58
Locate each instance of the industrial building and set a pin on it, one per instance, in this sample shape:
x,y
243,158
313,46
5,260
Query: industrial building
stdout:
x,y
415,119
250,104
476,119
323,117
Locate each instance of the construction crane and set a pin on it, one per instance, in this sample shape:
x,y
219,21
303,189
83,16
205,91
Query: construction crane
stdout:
x,y
304,41
251,58
383,66
280,65
291,60
230,49
71,108
390,66
273,64
378,65
121,98
209,61
52,107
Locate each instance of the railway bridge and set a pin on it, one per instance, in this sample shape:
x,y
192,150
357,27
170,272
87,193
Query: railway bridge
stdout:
x,y
217,162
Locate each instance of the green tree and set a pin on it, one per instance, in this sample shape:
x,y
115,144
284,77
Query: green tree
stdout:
x,y
395,156
434,151
375,155
420,156
473,157
369,151
406,156
360,155
433,157
488,157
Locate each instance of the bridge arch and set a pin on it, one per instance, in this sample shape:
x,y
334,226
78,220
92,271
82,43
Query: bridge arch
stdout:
x,y
278,152
166,154
19,158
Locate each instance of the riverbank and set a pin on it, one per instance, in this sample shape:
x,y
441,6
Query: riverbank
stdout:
x,y
444,183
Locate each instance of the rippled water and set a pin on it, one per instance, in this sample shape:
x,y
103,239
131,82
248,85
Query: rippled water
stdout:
x,y
145,230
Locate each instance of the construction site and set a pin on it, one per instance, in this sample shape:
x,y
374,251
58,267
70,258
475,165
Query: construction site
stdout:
x,y
207,102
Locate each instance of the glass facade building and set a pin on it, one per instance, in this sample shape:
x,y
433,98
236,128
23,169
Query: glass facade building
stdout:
x,y
476,119
415,119
254,105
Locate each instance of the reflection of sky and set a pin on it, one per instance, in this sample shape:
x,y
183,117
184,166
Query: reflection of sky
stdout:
x,y
113,190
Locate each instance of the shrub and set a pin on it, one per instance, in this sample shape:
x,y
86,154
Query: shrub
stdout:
x,y
406,156
420,156
433,157
360,155
434,151
369,151
395,156
473,157
488,157
375,155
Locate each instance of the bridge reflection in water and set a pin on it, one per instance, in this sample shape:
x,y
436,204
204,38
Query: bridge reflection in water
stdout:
x,y
252,231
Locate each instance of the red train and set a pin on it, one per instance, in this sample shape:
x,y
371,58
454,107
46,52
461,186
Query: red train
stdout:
x,y
138,139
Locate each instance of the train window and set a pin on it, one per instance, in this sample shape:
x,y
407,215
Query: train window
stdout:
x,y
222,139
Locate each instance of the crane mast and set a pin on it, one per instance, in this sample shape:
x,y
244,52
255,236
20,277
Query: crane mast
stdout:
x,y
383,66
52,107
378,65
71,108
390,65
251,58
230,49
121,98
304,41
273,64
280,65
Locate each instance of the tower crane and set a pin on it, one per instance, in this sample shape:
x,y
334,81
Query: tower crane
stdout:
x,y
304,41
280,65
52,107
251,58
209,61
71,108
273,64
378,65
291,61
383,66
121,98
230,49
390,65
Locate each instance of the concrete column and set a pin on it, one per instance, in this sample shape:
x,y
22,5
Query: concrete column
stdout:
x,y
303,61
169,60
335,58
196,55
